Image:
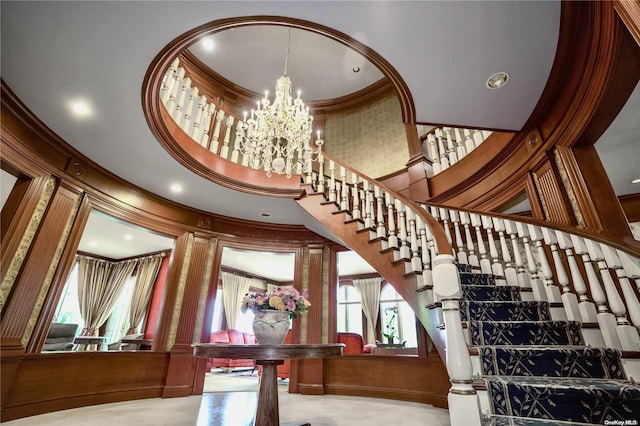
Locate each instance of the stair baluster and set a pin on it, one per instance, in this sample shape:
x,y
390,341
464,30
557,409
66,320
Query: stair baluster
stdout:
x,y
496,266
569,300
485,263
510,275
471,257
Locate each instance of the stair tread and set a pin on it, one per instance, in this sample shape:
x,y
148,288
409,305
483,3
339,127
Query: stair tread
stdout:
x,y
564,398
567,382
562,361
496,420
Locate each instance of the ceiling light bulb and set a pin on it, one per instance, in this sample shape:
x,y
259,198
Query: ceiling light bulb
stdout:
x,y
176,188
128,237
636,180
355,69
207,44
497,80
80,108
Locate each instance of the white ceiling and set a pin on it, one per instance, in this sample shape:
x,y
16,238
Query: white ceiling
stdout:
x,y
319,67
56,51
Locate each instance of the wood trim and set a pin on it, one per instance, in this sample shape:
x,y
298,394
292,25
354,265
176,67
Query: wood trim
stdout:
x,y
217,169
191,295
629,12
594,195
407,378
315,278
165,320
42,383
44,257
631,206
554,200
59,280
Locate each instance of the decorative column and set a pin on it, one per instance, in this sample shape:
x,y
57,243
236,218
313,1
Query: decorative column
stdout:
x,y
310,373
49,219
180,316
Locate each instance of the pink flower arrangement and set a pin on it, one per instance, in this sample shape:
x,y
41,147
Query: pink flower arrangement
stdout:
x,y
282,299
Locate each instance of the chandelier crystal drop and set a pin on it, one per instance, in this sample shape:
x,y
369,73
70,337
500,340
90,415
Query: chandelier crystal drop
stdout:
x,y
277,136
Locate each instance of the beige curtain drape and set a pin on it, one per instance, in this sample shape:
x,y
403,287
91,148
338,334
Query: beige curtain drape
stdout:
x,y
99,285
148,268
369,289
234,287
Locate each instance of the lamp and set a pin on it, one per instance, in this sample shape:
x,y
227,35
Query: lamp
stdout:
x,y
277,136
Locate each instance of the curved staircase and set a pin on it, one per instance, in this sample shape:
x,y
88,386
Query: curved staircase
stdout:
x,y
539,328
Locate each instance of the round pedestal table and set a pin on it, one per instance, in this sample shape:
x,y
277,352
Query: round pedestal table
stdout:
x,y
269,356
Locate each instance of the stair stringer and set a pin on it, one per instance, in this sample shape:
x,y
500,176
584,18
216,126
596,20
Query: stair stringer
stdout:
x,y
381,260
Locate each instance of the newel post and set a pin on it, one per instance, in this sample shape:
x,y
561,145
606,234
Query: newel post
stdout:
x,y
464,405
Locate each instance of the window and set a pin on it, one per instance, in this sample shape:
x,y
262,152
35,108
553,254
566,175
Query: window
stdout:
x,y
68,310
397,318
118,322
349,310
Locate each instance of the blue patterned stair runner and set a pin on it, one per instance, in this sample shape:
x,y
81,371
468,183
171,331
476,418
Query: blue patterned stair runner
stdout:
x,y
538,371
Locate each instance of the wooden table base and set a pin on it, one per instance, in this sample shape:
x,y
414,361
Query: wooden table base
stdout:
x,y
267,413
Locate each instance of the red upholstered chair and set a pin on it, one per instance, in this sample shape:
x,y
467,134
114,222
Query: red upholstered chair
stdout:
x,y
234,337
354,344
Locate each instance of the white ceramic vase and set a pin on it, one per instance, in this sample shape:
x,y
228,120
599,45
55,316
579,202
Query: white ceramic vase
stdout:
x,y
271,327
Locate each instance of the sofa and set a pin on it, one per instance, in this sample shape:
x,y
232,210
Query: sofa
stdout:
x,y
60,337
233,337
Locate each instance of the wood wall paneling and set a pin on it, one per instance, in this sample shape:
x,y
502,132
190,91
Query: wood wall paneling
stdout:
x,y
551,191
176,264
407,378
155,305
21,229
315,279
59,280
56,381
43,257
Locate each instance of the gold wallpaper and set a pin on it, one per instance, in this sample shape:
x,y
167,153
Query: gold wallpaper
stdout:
x,y
372,141
304,286
569,189
177,307
204,290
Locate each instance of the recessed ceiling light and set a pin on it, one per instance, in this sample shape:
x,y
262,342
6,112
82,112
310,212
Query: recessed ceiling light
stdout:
x,y
497,80
128,237
265,214
175,188
208,44
355,69
80,108
93,244
636,180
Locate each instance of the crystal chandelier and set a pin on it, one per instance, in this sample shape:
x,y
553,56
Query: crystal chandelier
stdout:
x,y
277,136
